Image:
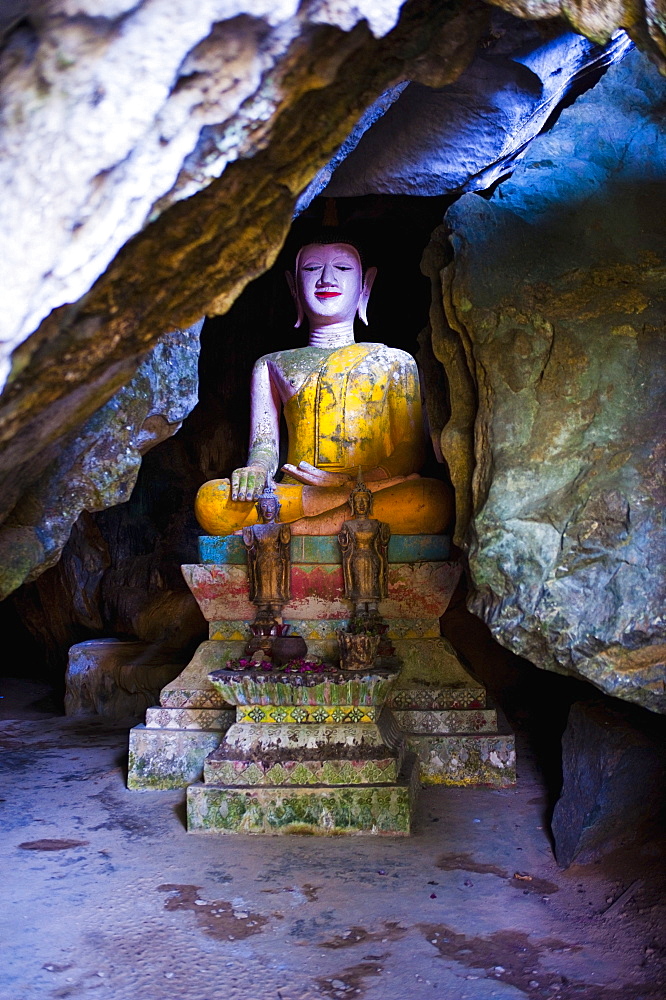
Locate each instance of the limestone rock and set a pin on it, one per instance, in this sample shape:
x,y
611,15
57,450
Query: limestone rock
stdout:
x,y
613,791
555,310
156,99
97,465
148,103
598,19
115,679
465,136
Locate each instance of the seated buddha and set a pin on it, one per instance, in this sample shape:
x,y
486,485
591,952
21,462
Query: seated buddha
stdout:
x,y
348,406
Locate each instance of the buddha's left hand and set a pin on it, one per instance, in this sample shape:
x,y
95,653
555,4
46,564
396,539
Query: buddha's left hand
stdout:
x,y
310,475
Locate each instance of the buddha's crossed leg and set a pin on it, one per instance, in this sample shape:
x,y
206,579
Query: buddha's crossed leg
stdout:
x,y
412,506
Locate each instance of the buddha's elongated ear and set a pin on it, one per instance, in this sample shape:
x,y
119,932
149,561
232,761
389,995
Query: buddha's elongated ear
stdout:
x,y
291,281
368,281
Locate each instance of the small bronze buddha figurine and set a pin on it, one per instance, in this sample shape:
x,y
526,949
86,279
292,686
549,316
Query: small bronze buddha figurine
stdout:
x,y
364,544
268,558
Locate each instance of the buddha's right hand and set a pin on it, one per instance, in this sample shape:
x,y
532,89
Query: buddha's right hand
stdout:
x,y
247,483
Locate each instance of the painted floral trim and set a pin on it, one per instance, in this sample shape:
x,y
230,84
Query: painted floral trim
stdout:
x,y
296,666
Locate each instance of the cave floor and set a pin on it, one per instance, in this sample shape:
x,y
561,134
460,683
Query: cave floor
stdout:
x,y
106,895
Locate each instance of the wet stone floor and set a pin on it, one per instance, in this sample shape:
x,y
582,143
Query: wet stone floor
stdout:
x,y
105,895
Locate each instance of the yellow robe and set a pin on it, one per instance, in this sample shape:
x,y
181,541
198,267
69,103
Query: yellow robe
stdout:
x,y
361,407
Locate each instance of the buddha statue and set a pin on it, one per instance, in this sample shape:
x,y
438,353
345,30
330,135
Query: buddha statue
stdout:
x,y
364,542
345,404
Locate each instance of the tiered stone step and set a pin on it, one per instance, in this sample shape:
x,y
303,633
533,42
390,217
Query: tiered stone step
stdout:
x,y
307,754
452,696
168,752
191,719
325,809
453,720
301,767
190,722
453,744
168,758
456,736
306,778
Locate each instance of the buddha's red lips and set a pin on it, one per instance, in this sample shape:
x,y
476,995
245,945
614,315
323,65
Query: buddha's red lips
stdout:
x,y
327,295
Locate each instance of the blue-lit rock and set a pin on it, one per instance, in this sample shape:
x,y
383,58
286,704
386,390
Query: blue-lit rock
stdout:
x,y
614,766
465,136
557,285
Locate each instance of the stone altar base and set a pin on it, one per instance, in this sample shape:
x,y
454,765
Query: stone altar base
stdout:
x,y
450,757
330,810
456,736
445,722
168,758
190,721
344,777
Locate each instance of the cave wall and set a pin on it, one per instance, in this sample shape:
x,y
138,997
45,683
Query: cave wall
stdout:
x,y
468,135
96,465
553,325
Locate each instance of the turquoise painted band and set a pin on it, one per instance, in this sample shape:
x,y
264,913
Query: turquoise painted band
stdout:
x,y
324,549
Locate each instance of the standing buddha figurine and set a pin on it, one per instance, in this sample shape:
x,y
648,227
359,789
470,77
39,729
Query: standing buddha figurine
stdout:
x,y
268,558
364,544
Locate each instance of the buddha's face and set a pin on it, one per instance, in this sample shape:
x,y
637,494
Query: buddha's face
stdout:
x,y
330,281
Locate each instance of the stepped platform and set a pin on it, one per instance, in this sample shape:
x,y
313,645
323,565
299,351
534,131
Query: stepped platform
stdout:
x,y
329,809
309,753
315,778
458,746
443,730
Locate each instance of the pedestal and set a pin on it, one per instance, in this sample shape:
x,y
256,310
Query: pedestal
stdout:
x,y
456,736
308,754
437,714
190,721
